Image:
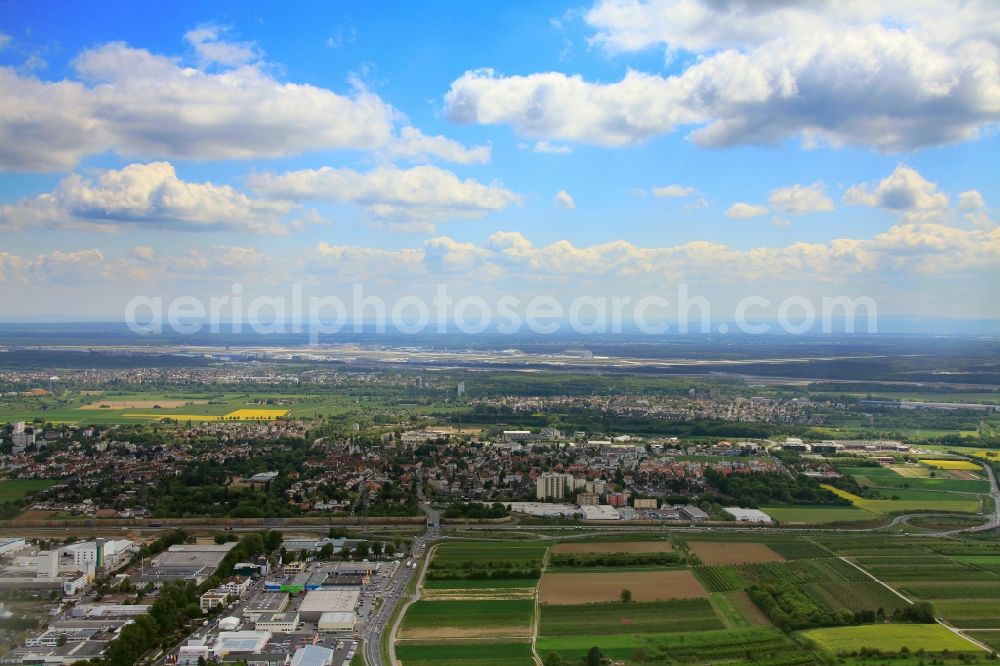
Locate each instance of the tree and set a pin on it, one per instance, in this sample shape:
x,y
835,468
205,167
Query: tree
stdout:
x,y
595,657
553,659
639,655
626,595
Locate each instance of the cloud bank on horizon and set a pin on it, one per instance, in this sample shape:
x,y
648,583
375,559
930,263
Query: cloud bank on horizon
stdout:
x,y
830,146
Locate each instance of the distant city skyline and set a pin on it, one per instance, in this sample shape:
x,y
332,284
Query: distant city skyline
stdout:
x,y
604,148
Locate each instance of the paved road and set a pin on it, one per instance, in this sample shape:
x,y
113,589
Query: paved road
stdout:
x,y
995,494
378,625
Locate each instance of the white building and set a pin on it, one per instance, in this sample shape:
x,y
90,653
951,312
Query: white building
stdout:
x,y
336,622
76,586
240,641
543,509
102,553
312,655
317,602
237,586
553,486
600,512
213,599
278,623
23,439
48,564
747,515
9,545
229,623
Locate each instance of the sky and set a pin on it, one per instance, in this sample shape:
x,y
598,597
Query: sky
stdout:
x,y
611,148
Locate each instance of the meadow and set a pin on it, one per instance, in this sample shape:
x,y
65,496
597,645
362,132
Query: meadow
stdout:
x,y
495,562
815,513
628,618
469,653
948,502
15,489
462,619
115,407
766,645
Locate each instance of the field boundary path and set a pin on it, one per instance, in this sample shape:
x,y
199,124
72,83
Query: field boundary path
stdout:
x,y
536,620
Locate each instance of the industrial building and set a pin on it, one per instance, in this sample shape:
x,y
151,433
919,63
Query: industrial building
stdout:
x,y
747,515
693,513
195,562
252,642
318,602
101,552
278,623
600,512
266,602
312,655
339,621
9,545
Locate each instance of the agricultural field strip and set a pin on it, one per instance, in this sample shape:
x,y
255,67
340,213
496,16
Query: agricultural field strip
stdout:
x,y
837,640
888,587
713,646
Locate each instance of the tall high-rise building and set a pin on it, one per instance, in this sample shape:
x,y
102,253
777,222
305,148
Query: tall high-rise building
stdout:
x,y
553,486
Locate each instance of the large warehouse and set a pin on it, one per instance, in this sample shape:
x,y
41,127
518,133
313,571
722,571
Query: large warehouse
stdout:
x,y
318,602
336,622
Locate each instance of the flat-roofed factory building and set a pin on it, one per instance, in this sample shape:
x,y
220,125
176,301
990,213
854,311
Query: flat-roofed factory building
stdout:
x,y
317,602
266,602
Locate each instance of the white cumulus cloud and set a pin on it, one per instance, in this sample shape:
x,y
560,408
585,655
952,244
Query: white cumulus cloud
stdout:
x,y
673,191
801,199
892,76
416,146
137,103
905,192
562,199
744,211
419,194
144,195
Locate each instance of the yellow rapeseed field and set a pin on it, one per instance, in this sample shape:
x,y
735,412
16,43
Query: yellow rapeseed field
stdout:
x,y
254,414
951,464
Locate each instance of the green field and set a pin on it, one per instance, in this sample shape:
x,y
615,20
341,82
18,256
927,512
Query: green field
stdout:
x,y
504,613
486,561
889,638
991,638
970,613
987,562
511,583
15,489
469,653
947,502
630,618
487,551
768,645
815,513
67,408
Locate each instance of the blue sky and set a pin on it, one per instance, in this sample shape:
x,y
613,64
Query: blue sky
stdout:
x,y
567,148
